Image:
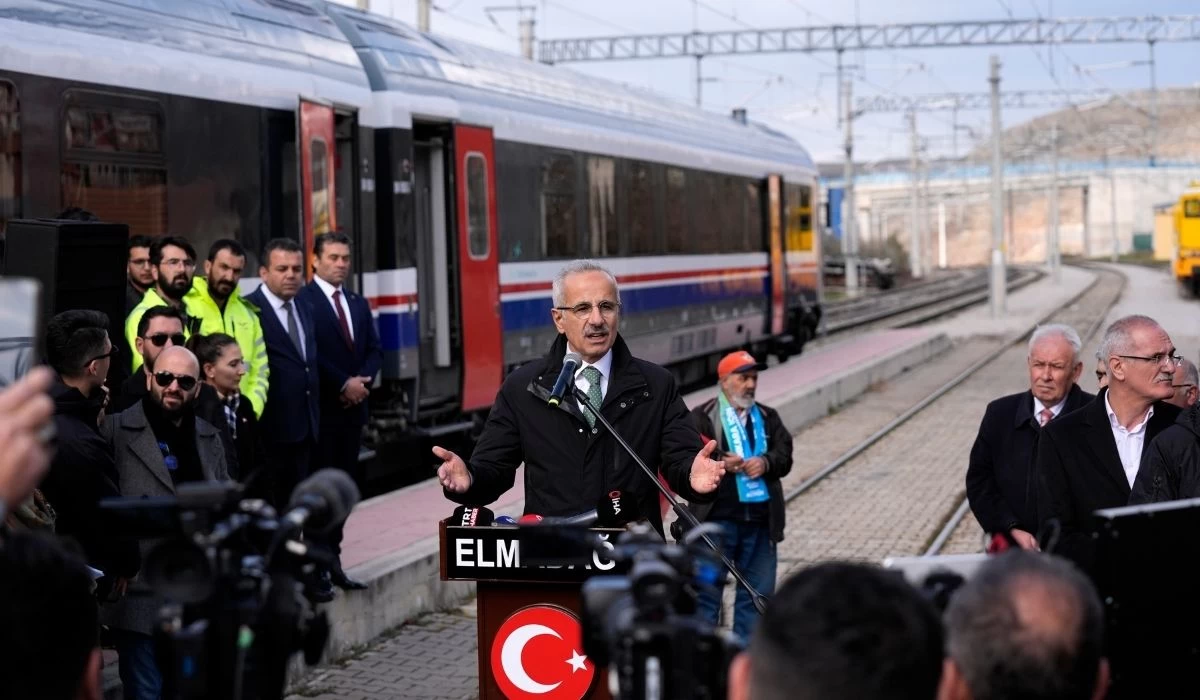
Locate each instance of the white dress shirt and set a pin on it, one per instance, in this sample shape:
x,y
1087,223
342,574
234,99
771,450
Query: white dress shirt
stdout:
x,y
604,364
1038,407
1129,441
329,289
277,306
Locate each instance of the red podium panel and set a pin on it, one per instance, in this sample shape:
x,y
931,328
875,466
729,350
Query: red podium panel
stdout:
x,y
529,617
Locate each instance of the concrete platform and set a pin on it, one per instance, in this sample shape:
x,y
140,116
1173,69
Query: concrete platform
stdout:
x,y
391,540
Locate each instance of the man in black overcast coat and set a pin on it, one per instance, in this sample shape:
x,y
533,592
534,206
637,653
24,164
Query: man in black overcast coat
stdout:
x,y
1081,466
1000,489
570,459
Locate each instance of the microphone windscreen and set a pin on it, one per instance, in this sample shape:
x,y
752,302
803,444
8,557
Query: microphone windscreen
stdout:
x,y
616,508
505,520
465,516
333,490
530,519
573,357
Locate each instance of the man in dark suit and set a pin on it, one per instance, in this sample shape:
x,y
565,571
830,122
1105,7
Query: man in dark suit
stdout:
x,y
999,487
1088,460
291,420
157,444
349,356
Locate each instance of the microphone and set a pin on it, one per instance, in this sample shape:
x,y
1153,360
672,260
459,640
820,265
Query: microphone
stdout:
x,y
613,510
471,517
565,378
505,520
530,519
580,519
322,501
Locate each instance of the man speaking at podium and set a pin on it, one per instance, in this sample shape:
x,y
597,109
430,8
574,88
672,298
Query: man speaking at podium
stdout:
x,y
571,461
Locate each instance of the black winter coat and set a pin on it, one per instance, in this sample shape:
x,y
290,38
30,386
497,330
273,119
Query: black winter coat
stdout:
x,y
245,454
1170,467
1000,487
569,466
81,473
1079,472
779,464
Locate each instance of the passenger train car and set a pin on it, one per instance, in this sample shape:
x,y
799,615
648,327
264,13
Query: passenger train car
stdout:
x,y
466,177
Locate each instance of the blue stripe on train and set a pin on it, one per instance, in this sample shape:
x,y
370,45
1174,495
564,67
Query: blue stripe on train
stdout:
x,y
535,313
398,331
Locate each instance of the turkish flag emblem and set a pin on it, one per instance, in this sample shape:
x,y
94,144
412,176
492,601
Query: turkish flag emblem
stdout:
x,y
538,653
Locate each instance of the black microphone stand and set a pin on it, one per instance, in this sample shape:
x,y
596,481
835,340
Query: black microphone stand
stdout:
x,y
759,600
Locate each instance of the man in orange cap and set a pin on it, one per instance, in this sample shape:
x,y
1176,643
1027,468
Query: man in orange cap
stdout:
x,y
749,508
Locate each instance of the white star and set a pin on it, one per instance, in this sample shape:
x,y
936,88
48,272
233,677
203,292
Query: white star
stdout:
x,y
576,661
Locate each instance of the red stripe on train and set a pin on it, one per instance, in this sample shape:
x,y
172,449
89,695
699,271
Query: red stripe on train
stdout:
x,y
391,300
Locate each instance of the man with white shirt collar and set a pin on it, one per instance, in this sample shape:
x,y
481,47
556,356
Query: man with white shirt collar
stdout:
x,y
999,488
1088,460
571,461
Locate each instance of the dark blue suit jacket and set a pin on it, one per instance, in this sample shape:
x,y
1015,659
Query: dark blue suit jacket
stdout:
x,y
292,413
337,361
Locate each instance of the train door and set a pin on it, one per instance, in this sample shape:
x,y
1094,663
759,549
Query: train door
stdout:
x,y
776,270
317,144
479,268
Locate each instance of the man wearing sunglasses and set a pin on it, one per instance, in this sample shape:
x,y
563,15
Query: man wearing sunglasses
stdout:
x,y
1089,459
159,328
173,264
158,444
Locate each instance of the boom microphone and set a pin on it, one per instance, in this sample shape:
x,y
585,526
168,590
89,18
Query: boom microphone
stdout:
x,y
322,501
472,517
565,378
614,510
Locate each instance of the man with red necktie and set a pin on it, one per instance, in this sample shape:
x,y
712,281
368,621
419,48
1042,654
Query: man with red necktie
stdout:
x,y
1000,483
349,356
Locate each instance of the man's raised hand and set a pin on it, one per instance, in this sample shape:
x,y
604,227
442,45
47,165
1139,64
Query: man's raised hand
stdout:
x,y
452,473
706,472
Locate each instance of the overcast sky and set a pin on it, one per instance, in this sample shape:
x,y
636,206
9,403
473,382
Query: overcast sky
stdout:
x,y
797,93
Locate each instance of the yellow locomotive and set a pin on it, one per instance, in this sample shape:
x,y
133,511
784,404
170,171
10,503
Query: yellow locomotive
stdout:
x,y
1187,238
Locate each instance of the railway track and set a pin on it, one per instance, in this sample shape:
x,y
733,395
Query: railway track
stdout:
x,y
947,508
917,303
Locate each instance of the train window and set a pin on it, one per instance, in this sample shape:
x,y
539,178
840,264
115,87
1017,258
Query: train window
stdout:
x,y
602,207
706,222
104,129
478,241
10,154
1191,208
733,220
132,195
643,224
675,208
560,235
754,221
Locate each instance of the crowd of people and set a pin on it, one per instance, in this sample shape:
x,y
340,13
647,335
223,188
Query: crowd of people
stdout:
x,y
262,388
215,386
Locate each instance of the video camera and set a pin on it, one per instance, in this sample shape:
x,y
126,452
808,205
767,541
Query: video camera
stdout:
x,y
232,575
642,624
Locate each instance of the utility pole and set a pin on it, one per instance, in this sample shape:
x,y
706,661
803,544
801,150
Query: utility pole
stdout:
x,y
1053,252
999,280
525,22
364,5
1112,204
850,225
1153,109
914,211
423,8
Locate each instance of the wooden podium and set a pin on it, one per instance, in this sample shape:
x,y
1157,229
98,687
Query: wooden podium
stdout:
x,y
529,616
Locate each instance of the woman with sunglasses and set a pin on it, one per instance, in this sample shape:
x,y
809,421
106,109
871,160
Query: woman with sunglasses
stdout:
x,y
220,401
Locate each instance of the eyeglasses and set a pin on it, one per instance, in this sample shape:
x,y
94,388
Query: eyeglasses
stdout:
x,y
176,262
1156,359
583,311
1181,386
160,339
164,379
111,353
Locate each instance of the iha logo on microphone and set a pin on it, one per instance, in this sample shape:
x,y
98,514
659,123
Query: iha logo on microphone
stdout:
x,y
615,497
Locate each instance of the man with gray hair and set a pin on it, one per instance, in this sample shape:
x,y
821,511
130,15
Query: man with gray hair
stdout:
x,y
1088,460
998,474
1186,391
571,459
1025,626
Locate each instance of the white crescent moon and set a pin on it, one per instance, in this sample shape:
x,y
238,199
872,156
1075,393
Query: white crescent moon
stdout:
x,y
510,658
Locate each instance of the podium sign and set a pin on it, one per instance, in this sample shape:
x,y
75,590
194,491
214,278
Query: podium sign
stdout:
x,y
529,606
